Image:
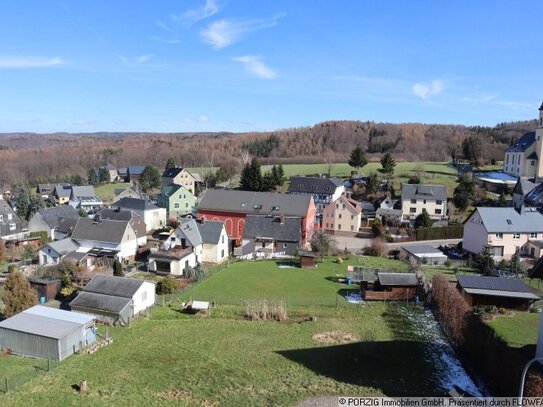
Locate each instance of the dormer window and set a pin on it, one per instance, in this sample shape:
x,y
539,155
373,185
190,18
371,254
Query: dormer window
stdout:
x,y
275,208
257,206
313,187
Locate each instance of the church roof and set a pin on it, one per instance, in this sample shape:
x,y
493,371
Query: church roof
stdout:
x,y
522,143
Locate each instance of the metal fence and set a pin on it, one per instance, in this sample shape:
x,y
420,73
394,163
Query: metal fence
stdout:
x,y
23,370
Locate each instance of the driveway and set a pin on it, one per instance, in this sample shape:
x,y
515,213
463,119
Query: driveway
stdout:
x,y
355,244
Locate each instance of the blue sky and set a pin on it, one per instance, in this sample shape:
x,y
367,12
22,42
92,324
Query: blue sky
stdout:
x,y
212,65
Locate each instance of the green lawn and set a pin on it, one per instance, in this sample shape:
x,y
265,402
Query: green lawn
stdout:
x,y
519,329
107,191
264,279
178,360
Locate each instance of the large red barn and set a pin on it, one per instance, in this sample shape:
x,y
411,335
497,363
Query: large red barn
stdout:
x,y
233,206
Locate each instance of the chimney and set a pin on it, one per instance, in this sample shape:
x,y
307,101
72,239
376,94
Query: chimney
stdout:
x,y
281,219
202,220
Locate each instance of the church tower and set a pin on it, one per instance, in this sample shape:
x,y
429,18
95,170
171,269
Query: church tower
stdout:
x,y
539,144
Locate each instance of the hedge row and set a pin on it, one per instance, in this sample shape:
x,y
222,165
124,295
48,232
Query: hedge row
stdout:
x,y
439,233
478,345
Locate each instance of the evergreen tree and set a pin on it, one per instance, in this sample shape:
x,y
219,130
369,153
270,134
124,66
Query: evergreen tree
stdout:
x,y
92,177
103,176
423,220
23,204
118,268
388,163
18,294
358,159
372,184
464,193
472,148
514,265
280,179
36,203
77,180
485,260
150,178
169,164
251,176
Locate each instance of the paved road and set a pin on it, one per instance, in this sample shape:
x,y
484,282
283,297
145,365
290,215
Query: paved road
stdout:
x,y
355,244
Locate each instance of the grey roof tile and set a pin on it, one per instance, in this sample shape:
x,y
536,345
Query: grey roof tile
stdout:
x,y
271,227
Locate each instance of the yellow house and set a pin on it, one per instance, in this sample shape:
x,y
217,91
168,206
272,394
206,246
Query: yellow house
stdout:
x,y
342,217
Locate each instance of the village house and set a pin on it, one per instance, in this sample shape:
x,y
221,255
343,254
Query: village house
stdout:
x,y
182,249
177,200
416,197
523,187
390,211
215,243
108,173
136,222
65,228
510,293
85,198
342,217
270,236
153,216
179,176
323,190
506,230
10,224
54,252
45,190
232,207
47,219
112,235
128,192
115,300
62,193
131,173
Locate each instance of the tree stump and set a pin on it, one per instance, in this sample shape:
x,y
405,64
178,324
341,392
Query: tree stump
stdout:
x,y
83,386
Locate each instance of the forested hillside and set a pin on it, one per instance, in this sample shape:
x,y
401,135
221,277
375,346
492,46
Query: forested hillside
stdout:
x,y
31,158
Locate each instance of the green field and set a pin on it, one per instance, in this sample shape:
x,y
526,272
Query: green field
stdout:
x,y
265,280
173,359
518,329
170,358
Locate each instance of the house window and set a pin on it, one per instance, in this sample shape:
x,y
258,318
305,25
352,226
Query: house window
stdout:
x,y
1,218
438,211
176,205
263,244
12,226
343,207
186,204
222,253
499,236
222,239
10,216
337,206
413,201
439,202
327,225
412,210
339,216
533,163
352,227
339,226
533,235
352,217
424,201
285,245
180,196
516,236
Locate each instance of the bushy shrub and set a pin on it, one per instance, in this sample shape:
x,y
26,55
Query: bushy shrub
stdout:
x,y
447,263
67,291
379,247
167,285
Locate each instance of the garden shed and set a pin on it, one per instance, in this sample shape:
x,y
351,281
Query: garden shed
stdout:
x,y
307,259
47,333
388,286
46,288
511,293
425,254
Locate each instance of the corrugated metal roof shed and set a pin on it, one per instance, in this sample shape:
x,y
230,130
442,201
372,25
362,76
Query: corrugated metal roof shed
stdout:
x,y
39,325
423,250
496,286
55,313
404,279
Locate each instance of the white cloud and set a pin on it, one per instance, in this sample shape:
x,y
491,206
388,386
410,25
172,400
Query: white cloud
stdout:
x,y
223,33
173,40
203,118
256,66
208,9
140,59
425,89
29,62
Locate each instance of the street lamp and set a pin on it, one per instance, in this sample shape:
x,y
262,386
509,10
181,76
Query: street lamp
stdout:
x,y
523,376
